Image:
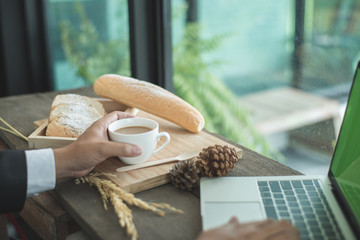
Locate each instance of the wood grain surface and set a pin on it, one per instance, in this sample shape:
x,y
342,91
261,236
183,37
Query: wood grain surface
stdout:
x,y
84,203
146,178
270,115
141,179
22,111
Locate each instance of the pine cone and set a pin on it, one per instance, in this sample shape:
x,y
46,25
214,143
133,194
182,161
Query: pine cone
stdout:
x,y
185,175
216,161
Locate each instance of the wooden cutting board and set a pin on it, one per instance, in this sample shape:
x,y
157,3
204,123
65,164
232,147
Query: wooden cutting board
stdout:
x,y
140,179
146,178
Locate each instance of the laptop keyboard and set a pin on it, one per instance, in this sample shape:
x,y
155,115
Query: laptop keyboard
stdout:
x,y
303,203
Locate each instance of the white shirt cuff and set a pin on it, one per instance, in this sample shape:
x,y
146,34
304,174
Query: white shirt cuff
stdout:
x,y
41,170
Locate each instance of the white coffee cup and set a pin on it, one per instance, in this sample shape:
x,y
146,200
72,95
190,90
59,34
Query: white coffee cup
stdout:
x,y
129,130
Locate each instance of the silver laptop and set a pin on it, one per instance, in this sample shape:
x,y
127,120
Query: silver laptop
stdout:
x,y
321,207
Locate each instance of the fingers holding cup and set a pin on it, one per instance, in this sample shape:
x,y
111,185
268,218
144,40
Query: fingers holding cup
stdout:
x,y
142,132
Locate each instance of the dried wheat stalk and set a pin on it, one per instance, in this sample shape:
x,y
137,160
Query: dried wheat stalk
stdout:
x,y
109,191
124,214
11,129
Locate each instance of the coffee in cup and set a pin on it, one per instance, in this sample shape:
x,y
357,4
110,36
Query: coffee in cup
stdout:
x,y
133,130
143,132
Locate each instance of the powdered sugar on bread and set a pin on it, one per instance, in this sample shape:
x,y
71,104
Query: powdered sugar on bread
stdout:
x,y
72,114
78,99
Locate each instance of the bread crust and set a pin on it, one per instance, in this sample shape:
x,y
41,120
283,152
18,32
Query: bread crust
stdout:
x,y
72,114
78,99
150,98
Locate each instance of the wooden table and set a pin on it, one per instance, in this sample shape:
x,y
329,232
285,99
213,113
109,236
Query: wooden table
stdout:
x,y
57,213
270,115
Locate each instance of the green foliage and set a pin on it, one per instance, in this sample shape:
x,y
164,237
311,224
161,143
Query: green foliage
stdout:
x,y
92,56
193,80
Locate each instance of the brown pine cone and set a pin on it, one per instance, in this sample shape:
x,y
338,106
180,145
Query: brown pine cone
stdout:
x,y
185,175
217,160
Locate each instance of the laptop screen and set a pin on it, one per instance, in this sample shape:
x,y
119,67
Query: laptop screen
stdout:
x,y
345,166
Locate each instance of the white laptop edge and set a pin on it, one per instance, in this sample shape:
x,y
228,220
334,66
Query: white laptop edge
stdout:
x,y
242,192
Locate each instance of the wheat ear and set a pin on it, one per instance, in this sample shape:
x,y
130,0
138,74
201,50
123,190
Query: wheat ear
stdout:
x,y
124,215
117,196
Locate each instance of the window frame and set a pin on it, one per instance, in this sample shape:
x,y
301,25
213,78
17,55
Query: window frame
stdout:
x,y
24,62
150,41
150,44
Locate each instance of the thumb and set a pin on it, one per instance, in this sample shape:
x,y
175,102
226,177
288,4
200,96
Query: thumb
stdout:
x,y
116,149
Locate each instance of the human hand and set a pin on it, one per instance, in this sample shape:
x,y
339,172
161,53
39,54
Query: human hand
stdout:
x,y
91,148
268,229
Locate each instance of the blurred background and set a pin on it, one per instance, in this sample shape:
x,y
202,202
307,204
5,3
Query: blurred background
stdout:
x,y
273,76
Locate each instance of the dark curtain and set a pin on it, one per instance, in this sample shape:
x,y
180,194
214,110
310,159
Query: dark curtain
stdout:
x,y
24,59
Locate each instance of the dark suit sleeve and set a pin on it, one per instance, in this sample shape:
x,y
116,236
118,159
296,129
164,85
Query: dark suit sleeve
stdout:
x,y
13,180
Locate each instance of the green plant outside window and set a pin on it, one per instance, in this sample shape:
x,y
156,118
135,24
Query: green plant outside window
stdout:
x,y
193,81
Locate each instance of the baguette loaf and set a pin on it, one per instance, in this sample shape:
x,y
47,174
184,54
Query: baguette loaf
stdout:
x,y
150,98
72,114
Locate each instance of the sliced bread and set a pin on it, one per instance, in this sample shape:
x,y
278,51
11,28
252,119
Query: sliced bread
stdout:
x,y
78,99
72,114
